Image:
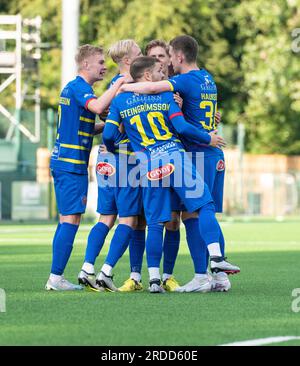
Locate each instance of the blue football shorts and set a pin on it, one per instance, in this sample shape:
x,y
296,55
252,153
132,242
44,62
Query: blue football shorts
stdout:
x,y
179,176
119,189
71,192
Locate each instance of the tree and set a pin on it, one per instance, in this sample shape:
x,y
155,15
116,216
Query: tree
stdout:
x,y
271,75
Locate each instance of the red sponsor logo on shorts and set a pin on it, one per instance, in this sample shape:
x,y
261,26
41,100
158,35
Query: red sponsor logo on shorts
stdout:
x,y
220,165
160,173
107,169
84,200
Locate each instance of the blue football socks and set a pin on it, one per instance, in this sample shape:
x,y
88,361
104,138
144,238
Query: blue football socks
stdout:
x,y
196,245
62,247
119,244
154,244
136,250
208,224
170,250
95,243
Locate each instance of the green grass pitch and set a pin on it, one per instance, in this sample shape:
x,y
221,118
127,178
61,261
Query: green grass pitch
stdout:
x,y
259,304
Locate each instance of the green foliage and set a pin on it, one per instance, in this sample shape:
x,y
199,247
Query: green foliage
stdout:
x,y
245,44
270,74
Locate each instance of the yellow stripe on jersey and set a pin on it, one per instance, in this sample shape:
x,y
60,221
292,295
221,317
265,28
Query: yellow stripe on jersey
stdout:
x,y
113,122
88,120
81,133
76,147
177,140
124,152
74,161
124,141
171,85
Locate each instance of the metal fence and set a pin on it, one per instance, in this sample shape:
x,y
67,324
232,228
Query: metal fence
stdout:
x,y
24,197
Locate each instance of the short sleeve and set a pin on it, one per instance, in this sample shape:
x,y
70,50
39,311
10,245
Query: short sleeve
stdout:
x,y
114,114
174,109
83,96
177,83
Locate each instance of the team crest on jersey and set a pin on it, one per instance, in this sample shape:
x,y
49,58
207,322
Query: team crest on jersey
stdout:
x,y
107,169
55,152
220,165
160,173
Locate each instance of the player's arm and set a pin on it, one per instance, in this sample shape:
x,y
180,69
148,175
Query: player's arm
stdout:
x,y
110,135
178,99
218,118
111,131
99,127
98,106
147,87
188,130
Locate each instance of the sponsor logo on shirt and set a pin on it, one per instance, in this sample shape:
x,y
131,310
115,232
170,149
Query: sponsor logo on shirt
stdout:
x,y
208,85
141,98
220,165
160,173
106,169
65,101
163,149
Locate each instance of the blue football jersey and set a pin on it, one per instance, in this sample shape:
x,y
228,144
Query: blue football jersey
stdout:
x,y
199,93
122,143
146,121
114,79
75,128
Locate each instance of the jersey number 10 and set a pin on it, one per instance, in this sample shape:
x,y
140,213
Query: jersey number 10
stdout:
x,y
146,141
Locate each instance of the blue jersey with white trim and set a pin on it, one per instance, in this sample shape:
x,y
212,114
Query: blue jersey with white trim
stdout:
x,y
146,121
199,93
75,128
123,145
114,79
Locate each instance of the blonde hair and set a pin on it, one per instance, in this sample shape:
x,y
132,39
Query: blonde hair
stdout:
x,y
86,51
120,49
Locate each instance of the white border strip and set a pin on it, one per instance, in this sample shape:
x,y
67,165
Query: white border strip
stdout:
x,y
261,341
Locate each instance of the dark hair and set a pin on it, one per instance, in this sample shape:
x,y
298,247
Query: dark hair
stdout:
x,y
140,65
187,45
157,43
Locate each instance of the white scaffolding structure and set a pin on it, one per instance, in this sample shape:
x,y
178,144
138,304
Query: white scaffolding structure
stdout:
x,y
24,34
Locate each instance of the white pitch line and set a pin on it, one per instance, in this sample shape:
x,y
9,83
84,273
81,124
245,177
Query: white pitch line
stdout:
x,y
36,229
261,341
32,240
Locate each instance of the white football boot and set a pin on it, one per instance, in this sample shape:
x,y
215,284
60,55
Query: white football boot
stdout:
x,y
203,284
155,286
62,285
89,281
219,264
220,282
106,282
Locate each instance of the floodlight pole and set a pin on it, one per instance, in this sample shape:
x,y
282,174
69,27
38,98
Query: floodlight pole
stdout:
x,y
241,147
70,18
